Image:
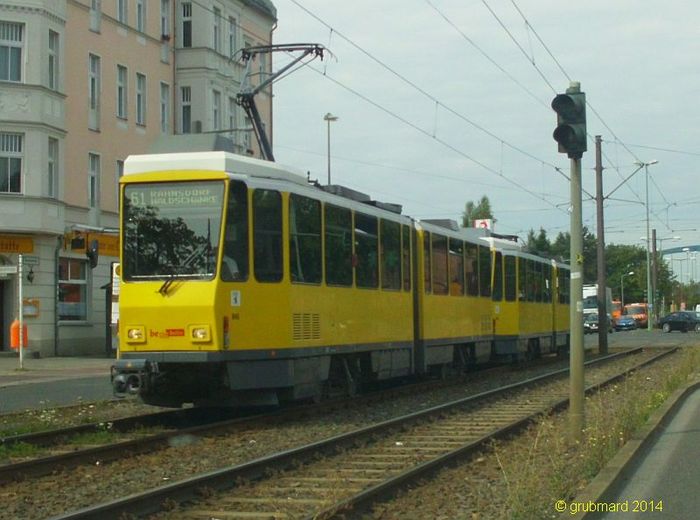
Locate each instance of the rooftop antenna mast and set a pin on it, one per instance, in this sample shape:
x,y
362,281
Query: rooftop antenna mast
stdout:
x,y
246,97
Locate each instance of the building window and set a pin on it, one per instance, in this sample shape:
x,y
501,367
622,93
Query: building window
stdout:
x,y
11,35
164,108
72,289
52,170
53,60
165,18
186,103
95,15
187,24
141,15
216,34
122,92
122,12
140,99
93,180
246,135
232,36
94,92
232,118
216,111
11,163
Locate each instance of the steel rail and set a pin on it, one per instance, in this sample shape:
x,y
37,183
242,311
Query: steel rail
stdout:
x,y
149,443
151,501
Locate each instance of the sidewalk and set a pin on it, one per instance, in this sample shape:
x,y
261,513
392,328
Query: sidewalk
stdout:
x,y
37,370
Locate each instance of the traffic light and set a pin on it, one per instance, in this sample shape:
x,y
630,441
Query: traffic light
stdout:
x,y
571,122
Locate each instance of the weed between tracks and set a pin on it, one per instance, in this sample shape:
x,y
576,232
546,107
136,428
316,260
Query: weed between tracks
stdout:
x,y
521,478
541,467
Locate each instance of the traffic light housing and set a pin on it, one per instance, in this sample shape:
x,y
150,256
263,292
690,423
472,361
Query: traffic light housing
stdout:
x,y
571,123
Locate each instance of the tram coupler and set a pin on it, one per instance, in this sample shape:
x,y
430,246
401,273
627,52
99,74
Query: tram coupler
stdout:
x,y
130,376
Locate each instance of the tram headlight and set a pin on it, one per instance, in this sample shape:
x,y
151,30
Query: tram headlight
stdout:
x,y
200,333
135,334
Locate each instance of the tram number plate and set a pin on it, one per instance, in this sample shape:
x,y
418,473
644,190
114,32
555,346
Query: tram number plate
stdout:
x,y
235,298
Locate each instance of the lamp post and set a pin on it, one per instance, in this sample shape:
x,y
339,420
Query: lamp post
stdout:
x,y
328,118
650,296
622,288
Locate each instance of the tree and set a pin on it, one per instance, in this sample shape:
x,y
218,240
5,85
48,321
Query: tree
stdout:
x,y
539,244
474,211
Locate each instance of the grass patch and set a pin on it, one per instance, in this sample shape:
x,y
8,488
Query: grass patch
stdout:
x,y
542,467
18,451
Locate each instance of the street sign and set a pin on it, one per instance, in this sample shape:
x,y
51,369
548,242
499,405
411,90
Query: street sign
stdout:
x,y
8,269
30,260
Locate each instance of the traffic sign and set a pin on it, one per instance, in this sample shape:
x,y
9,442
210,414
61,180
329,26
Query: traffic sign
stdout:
x,y
30,260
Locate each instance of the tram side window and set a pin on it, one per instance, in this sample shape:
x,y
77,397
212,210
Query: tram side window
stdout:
x,y
497,294
267,235
539,280
304,239
235,260
484,271
564,282
406,257
522,279
510,275
471,269
426,263
531,281
366,250
547,283
390,254
338,232
456,267
439,264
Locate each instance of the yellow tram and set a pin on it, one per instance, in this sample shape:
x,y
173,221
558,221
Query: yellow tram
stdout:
x,y
242,283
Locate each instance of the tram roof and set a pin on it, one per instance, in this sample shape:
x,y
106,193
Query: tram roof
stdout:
x,y
211,161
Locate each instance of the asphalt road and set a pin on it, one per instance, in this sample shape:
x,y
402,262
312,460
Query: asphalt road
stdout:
x,y
47,394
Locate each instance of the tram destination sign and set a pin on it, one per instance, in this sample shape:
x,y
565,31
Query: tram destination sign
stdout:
x,y
175,195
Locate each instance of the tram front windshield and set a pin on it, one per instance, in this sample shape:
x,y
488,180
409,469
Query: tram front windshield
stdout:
x,y
171,230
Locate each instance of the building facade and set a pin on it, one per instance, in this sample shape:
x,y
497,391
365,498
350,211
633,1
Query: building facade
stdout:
x,y
84,84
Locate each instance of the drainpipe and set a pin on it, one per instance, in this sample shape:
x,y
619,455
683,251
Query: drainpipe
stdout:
x,y
59,245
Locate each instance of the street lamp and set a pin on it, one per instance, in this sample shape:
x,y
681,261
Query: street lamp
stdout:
x,y
622,288
328,118
650,296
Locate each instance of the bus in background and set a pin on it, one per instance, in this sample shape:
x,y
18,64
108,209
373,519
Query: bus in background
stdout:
x,y
616,310
639,312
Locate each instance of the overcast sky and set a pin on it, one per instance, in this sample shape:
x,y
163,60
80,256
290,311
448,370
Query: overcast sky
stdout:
x,y
477,119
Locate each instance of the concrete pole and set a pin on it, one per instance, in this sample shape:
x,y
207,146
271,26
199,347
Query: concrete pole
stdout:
x,y
576,397
650,295
600,257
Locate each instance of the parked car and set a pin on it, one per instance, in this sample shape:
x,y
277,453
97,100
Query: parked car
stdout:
x,y
625,323
590,323
681,320
639,312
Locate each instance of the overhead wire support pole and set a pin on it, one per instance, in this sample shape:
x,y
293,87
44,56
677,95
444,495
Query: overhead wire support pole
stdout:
x,y
603,325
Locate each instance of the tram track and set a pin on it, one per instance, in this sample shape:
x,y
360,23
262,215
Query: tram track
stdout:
x,y
315,478
134,435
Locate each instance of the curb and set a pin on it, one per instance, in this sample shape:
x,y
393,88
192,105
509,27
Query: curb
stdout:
x,y
633,448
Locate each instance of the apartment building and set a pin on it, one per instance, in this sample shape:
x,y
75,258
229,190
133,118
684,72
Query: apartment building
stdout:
x,y
84,84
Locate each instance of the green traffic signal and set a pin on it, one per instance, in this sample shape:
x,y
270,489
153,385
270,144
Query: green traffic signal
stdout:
x,y
571,123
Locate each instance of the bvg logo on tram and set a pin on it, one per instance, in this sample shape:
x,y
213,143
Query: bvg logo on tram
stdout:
x,y
167,333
